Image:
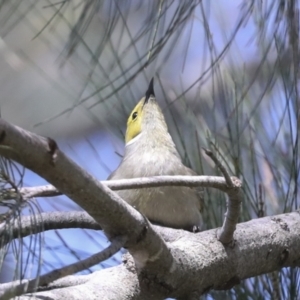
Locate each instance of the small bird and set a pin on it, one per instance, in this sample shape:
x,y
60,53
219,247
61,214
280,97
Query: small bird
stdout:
x,y
150,151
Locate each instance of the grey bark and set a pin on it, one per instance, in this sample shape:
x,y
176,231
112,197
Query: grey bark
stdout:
x,y
202,263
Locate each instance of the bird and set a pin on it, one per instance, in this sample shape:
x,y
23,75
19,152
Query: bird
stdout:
x,y
151,151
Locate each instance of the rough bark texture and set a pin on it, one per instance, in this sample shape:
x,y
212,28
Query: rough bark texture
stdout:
x,y
202,263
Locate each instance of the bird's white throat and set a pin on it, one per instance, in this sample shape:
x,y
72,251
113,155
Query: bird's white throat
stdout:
x,y
134,140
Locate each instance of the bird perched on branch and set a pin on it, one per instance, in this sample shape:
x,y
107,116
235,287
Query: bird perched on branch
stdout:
x,y
150,151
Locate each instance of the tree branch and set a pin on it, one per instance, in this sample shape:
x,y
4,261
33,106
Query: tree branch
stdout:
x,y
232,214
220,167
34,224
42,156
233,203
261,246
13,289
216,182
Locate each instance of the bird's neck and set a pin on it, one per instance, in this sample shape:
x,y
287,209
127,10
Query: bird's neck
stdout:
x,y
151,143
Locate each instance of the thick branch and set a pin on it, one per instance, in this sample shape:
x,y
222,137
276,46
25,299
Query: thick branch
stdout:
x,y
114,215
261,246
42,156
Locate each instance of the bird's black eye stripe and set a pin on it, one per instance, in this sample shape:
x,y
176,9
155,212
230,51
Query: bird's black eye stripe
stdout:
x,y
134,115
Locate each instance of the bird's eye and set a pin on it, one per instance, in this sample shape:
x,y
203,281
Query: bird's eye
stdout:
x,y
134,115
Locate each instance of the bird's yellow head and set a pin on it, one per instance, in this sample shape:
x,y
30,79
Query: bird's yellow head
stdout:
x,y
146,116
134,122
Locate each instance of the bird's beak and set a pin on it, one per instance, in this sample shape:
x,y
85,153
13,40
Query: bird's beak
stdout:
x,y
150,91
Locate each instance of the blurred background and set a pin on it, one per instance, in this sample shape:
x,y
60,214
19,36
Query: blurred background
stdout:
x,y
226,76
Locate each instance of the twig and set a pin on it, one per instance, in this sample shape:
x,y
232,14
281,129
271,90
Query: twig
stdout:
x,y
220,166
233,203
16,288
133,183
34,224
